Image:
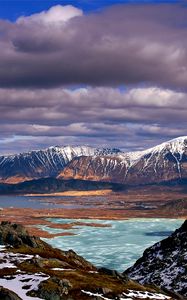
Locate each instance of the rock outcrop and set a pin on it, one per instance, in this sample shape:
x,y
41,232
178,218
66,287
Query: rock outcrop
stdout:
x,y
6,294
16,235
165,263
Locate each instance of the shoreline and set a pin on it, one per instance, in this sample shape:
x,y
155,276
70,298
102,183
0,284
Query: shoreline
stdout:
x,y
32,219
102,205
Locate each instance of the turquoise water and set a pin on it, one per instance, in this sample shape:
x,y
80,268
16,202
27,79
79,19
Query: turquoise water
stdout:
x,y
116,247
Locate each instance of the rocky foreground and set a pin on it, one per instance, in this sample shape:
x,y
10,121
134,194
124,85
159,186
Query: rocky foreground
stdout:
x,y
165,263
32,269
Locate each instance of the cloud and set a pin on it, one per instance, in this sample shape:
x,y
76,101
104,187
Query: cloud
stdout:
x,y
56,14
127,44
117,77
132,119
64,106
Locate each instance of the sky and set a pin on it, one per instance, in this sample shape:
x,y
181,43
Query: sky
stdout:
x,y
99,73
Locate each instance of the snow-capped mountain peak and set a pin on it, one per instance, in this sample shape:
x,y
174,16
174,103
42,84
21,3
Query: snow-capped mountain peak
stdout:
x,y
166,161
44,163
177,145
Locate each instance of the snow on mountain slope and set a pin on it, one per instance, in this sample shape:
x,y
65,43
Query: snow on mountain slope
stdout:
x,y
43,163
164,162
165,263
177,147
17,282
96,168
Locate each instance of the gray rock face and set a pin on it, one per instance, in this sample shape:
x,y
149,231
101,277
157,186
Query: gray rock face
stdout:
x,y
165,263
16,235
113,273
6,294
60,289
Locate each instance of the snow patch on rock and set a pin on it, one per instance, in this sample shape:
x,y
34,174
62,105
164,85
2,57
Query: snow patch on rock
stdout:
x,y
17,282
131,295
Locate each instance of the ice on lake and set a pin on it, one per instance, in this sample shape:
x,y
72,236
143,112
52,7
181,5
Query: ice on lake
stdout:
x,y
116,247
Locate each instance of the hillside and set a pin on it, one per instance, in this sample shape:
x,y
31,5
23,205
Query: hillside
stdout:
x,y
31,267
165,263
53,185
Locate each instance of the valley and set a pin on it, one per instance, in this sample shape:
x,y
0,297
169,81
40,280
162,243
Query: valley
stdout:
x,y
91,199
139,202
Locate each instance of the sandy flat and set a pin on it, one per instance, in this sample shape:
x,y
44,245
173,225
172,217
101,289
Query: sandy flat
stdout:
x,y
75,193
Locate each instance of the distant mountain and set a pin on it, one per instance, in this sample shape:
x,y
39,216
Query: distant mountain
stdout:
x,y
162,163
165,263
43,163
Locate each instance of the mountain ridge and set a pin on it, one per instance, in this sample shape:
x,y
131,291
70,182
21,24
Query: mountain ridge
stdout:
x,y
167,161
43,163
163,162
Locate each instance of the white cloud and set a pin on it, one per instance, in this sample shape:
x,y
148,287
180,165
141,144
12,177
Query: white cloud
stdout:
x,y
56,14
157,97
88,97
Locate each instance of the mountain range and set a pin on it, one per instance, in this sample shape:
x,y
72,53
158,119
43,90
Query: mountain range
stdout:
x,y
162,163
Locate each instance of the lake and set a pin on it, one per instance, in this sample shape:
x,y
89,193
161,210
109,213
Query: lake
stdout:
x,y
42,202
116,247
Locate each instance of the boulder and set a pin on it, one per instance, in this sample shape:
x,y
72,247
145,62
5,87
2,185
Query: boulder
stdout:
x,y
113,273
16,235
6,294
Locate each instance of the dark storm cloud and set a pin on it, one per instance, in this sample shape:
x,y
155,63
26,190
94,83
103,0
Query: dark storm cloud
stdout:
x,y
45,57
122,45
63,107
132,119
